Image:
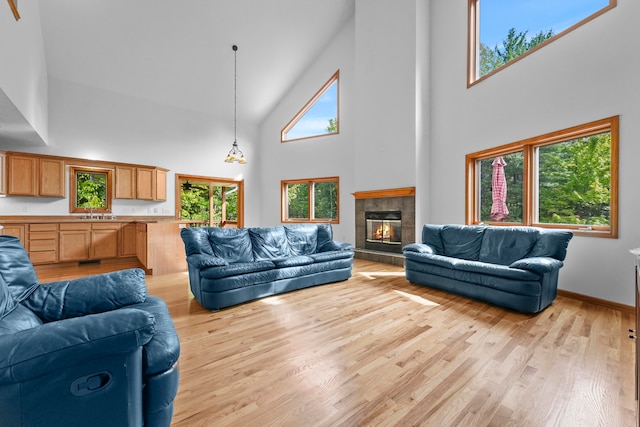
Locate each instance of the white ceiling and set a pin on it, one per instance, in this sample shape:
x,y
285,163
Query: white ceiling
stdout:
x,y
179,52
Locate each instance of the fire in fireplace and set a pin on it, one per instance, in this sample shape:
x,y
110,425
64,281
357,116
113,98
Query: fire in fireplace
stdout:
x,y
383,231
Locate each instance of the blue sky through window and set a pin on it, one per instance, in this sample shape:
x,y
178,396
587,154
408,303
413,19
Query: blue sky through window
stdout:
x,y
498,16
316,119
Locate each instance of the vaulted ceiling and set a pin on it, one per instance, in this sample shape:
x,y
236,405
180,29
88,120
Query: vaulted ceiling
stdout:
x,y
179,53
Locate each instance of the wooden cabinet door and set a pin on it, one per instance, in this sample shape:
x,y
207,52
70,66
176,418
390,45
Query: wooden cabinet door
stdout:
x,y
145,182
125,182
3,175
74,242
128,240
104,240
21,175
161,184
141,244
16,230
51,177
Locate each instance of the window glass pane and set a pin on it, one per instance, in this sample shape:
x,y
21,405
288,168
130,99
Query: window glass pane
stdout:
x,y
318,117
509,28
91,190
512,184
298,201
231,196
325,200
194,201
574,181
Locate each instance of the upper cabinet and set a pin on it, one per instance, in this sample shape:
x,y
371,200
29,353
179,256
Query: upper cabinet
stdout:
x,y
29,175
142,183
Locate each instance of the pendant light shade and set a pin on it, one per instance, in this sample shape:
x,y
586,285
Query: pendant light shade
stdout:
x,y
235,155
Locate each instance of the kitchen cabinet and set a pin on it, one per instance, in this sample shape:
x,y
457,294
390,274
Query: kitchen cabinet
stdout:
x,y
104,240
17,230
128,240
125,182
3,174
159,247
141,183
42,243
75,240
29,175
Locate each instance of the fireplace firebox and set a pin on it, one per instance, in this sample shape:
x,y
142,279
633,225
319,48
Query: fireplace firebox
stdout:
x,y
383,231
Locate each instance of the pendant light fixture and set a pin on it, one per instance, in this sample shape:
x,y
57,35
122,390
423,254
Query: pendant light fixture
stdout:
x,y
235,155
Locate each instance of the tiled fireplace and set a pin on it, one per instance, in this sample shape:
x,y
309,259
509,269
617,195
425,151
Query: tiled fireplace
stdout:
x,y
385,222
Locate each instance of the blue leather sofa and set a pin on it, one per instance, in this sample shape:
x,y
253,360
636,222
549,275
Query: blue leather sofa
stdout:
x,y
229,266
96,351
514,267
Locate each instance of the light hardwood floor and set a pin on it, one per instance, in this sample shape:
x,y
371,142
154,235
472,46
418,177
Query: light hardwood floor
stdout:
x,y
378,351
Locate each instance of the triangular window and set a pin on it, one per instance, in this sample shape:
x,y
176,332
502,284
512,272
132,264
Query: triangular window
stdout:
x,y
318,117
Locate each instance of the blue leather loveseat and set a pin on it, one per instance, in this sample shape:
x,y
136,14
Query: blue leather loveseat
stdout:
x,y
229,266
514,267
96,351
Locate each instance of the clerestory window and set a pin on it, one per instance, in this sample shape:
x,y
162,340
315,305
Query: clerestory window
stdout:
x,y
319,116
503,31
566,179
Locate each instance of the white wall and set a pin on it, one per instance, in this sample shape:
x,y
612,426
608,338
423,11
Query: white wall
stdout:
x,y
385,96
586,75
91,123
331,155
23,72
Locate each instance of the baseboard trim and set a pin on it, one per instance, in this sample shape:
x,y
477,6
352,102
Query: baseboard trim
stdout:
x,y
598,301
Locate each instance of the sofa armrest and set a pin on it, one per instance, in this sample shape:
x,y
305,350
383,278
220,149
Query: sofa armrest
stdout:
x,y
419,248
37,351
537,264
201,261
335,246
88,295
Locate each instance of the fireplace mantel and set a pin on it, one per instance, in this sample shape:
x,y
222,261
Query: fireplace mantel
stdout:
x,y
381,194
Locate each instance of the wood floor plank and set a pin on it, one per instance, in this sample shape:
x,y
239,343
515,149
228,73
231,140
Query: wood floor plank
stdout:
x,y
377,350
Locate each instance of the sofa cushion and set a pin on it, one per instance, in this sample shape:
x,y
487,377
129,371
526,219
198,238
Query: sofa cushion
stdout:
x,y
461,241
20,319
7,304
325,235
303,238
196,241
269,243
431,236
331,255
16,268
232,244
236,269
292,261
504,245
552,243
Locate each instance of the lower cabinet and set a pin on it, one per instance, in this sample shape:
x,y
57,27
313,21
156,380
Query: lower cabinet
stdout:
x,y
75,240
42,243
16,230
88,241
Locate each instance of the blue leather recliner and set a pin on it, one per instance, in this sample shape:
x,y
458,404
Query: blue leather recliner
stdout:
x,y
95,351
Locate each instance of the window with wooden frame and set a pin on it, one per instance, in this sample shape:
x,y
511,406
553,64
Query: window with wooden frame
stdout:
x,y
319,116
91,189
501,32
310,200
565,179
203,201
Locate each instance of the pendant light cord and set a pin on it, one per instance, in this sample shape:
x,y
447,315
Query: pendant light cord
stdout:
x,y
235,91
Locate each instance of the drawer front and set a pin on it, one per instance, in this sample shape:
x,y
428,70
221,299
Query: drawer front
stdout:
x,y
43,245
42,235
43,227
81,226
43,257
105,226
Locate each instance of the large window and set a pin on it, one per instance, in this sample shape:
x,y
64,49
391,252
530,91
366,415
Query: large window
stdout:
x,y
310,200
502,31
318,117
566,179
